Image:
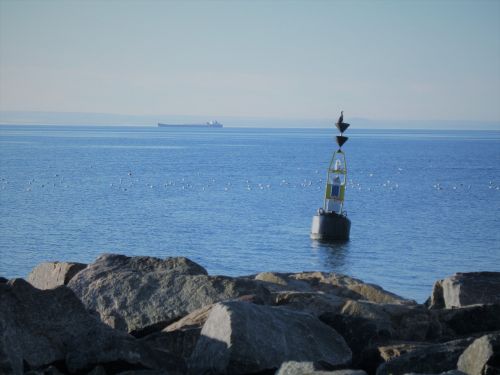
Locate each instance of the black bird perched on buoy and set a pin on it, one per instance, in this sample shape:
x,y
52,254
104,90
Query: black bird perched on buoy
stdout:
x,y
341,118
340,124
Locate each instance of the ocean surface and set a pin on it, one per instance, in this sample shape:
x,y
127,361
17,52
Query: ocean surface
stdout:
x,y
423,204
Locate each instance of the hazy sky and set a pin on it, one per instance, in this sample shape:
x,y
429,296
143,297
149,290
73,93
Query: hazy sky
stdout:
x,y
411,60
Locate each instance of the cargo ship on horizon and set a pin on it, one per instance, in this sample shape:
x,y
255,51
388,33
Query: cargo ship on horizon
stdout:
x,y
208,124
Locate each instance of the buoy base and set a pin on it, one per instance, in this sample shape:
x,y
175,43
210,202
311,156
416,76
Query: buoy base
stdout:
x,y
329,226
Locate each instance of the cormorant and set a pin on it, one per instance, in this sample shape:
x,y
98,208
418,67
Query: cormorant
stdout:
x,y
341,118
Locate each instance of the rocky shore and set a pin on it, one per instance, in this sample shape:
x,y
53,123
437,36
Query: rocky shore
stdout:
x,y
149,316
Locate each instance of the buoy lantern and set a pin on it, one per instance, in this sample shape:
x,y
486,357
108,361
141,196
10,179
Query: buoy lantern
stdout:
x,y
331,222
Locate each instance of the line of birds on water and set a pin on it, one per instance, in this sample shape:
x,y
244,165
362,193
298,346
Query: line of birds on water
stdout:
x,y
126,183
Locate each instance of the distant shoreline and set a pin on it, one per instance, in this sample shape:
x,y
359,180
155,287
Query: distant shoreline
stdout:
x,y
26,118
154,126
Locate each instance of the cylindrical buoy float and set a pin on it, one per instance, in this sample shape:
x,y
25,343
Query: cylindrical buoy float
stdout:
x,y
331,222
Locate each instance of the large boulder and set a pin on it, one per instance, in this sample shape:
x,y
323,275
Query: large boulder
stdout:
x,y
241,338
431,359
463,289
482,357
44,327
50,275
144,294
330,283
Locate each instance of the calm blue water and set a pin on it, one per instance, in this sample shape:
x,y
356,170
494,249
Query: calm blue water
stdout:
x,y
423,204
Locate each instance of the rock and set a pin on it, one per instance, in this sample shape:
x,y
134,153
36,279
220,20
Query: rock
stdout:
x,y
310,368
240,338
365,326
482,357
310,302
436,300
272,278
433,359
330,283
195,319
44,327
463,289
180,338
349,287
389,352
451,372
3,280
50,275
144,294
467,321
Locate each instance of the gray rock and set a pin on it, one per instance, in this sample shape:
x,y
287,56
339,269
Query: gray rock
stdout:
x,y
310,368
11,358
240,338
463,289
331,283
145,294
433,359
365,326
482,357
42,327
180,338
50,275
273,278
314,303
466,321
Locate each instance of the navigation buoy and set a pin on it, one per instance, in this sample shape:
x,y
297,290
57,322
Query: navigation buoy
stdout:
x,y
331,222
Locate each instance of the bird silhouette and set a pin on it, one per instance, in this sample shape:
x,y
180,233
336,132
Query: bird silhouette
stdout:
x,y
341,118
340,124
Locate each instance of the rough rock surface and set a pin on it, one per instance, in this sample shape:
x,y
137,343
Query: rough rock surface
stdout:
x,y
138,294
297,323
180,338
482,357
43,327
463,289
241,338
432,359
331,283
315,303
365,326
50,275
310,368
469,320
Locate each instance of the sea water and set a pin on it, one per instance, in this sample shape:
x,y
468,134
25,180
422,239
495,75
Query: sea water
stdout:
x,y
423,204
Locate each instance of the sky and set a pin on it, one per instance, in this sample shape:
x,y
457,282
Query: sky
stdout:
x,y
381,60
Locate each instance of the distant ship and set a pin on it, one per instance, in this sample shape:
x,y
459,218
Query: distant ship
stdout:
x,y
209,124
